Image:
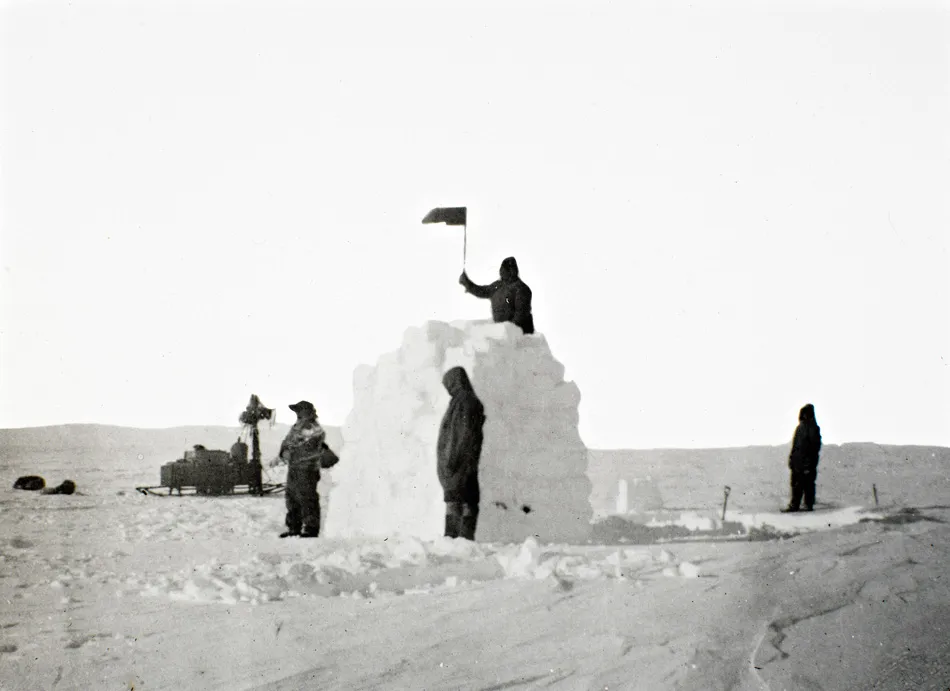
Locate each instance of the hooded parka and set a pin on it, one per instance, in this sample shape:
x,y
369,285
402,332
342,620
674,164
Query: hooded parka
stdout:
x,y
510,296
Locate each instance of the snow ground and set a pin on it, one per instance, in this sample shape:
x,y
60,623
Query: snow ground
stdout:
x,y
113,589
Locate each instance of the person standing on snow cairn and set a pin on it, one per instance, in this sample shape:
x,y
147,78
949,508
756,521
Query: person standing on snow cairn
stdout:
x,y
803,459
459,449
303,449
510,296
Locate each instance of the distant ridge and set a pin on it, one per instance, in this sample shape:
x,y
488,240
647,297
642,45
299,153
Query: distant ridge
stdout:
x,y
758,475
166,441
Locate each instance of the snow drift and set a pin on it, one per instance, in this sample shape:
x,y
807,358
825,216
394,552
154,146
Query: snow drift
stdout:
x,y
533,470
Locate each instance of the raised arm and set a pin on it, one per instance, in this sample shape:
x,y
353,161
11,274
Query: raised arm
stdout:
x,y
475,289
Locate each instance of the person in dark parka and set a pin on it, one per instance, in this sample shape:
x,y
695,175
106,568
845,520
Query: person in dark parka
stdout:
x,y
510,296
304,450
803,459
459,450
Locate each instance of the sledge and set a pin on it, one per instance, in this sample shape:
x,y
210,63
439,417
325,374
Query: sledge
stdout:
x,y
193,490
207,473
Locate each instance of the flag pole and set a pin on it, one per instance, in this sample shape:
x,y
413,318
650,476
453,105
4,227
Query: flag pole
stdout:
x,y
451,216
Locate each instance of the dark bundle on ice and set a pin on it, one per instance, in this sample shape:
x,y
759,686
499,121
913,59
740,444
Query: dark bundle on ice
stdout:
x,y
65,487
29,482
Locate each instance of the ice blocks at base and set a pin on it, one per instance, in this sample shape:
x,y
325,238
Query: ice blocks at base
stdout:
x,y
533,470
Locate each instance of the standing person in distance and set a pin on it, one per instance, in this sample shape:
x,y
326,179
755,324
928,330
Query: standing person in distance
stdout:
x,y
303,450
459,450
510,296
803,459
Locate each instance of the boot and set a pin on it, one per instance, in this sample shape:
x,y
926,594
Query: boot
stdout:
x,y
468,527
289,533
451,525
469,523
311,528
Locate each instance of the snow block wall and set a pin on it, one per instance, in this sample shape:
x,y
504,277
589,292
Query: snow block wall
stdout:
x,y
533,470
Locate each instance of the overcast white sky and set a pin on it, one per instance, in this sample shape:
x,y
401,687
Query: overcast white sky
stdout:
x,y
724,213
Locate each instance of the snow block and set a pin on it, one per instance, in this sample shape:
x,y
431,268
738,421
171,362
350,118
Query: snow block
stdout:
x,y
533,469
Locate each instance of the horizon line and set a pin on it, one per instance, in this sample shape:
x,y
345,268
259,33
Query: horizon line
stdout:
x,y
593,448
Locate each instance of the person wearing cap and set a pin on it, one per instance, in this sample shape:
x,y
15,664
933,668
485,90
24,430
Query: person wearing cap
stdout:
x,y
510,296
302,449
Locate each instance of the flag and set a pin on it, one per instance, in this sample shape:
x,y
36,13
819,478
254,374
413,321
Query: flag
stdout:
x,y
451,216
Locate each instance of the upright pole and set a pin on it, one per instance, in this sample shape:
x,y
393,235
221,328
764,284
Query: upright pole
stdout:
x,y
623,497
464,244
255,480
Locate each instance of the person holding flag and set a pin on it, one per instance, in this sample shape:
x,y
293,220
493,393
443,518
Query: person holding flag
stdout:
x,y
510,296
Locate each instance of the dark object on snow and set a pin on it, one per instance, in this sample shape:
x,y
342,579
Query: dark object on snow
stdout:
x,y
510,296
30,483
803,459
458,452
903,517
65,487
